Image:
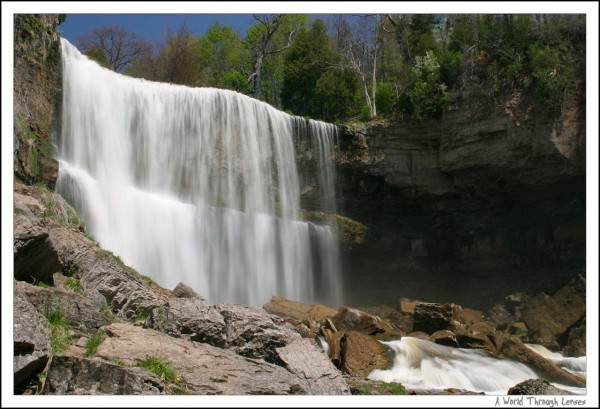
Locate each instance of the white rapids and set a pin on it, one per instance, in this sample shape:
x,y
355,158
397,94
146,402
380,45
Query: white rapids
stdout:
x,y
424,365
198,185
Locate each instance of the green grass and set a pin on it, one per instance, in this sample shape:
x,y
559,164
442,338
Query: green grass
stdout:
x,y
360,387
92,344
60,328
74,284
42,284
142,316
159,367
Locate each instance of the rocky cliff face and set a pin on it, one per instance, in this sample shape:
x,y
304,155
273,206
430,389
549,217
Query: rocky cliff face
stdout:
x,y
36,93
486,201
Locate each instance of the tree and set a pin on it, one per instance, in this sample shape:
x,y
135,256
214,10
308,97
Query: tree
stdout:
x,y
178,62
224,59
271,35
306,60
120,47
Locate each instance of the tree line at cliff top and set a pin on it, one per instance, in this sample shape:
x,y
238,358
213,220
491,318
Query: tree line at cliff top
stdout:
x,y
357,67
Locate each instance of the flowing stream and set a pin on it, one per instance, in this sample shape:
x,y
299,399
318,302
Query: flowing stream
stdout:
x,y
424,365
198,185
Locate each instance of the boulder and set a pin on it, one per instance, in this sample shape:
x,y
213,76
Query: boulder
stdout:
x,y
407,306
81,312
203,368
513,348
419,335
478,335
252,332
369,324
35,255
70,375
31,339
404,322
432,317
370,387
536,387
303,312
500,316
518,329
550,317
305,359
444,337
576,343
469,316
185,291
190,318
361,354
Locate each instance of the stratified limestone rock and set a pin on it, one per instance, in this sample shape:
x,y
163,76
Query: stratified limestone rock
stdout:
x,y
514,349
70,375
361,354
549,317
82,313
31,339
288,308
191,318
369,324
304,358
35,257
431,317
205,370
253,332
127,292
536,387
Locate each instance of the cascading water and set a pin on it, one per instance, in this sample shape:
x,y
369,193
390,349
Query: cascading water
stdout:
x,y
195,184
421,364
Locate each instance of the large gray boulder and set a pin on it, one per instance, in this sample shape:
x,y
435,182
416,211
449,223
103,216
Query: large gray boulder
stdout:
x,y
254,333
31,340
304,358
69,375
190,318
204,369
536,387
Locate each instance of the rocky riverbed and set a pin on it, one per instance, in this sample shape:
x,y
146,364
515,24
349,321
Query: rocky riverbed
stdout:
x,y
85,323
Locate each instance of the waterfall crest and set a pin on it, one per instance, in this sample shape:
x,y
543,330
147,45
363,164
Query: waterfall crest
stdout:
x,y
198,185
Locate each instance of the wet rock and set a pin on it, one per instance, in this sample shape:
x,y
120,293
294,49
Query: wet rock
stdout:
x,y
253,332
203,368
518,329
549,317
419,335
70,375
432,317
469,316
444,337
185,291
361,354
536,387
403,322
304,358
190,318
514,349
369,324
407,306
31,339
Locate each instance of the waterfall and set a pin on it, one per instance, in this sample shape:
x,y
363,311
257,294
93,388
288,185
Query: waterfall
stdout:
x,y
198,185
421,364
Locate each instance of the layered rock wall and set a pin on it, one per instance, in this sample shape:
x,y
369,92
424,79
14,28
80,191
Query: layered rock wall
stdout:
x,y
468,208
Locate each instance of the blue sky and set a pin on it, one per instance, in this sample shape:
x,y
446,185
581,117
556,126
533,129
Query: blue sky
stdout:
x,y
151,26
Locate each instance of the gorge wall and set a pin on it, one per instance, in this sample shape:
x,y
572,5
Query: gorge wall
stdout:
x,y
486,201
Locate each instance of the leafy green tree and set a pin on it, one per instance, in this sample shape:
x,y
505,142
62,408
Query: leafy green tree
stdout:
x,y
427,95
305,62
224,59
336,95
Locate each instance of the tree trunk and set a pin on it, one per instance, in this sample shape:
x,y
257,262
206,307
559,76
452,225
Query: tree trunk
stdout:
x,y
256,88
